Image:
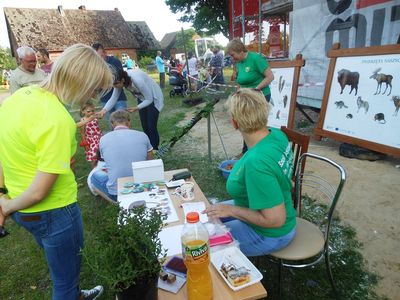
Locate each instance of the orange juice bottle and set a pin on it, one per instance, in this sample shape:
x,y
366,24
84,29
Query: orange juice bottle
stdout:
x,y
196,254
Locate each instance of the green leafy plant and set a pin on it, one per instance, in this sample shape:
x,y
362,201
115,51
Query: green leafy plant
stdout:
x,y
125,249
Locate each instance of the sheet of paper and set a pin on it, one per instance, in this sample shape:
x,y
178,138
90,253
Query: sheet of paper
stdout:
x,y
197,207
171,239
157,197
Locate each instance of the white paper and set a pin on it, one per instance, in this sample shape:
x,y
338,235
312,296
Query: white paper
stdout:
x,y
198,207
172,287
171,239
152,198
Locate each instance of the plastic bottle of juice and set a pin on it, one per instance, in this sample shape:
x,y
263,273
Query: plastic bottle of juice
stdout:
x,y
196,254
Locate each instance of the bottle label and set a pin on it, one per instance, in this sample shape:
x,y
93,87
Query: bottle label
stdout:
x,y
196,252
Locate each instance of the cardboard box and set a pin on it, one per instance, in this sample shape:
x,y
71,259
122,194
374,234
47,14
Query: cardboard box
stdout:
x,y
148,170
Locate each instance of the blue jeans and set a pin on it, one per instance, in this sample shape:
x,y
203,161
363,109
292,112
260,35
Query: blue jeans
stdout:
x,y
149,119
59,232
99,180
119,105
250,242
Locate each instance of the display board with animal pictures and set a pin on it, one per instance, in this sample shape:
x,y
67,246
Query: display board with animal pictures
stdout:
x,y
284,91
362,98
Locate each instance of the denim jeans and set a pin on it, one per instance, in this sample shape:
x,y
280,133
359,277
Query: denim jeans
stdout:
x,y
59,232
250,242
119,105
149,119
99,181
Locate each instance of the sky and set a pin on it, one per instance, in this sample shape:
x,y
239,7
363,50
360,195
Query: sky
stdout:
x,y
155,12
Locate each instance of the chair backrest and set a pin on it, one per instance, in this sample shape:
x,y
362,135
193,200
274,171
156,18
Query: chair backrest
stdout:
x,y
299,143
323,181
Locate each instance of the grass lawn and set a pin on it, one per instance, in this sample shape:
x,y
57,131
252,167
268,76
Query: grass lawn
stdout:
x,y
23,270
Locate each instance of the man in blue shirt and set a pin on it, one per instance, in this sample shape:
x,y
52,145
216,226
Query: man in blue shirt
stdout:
x,y
216,66
161,69
116,98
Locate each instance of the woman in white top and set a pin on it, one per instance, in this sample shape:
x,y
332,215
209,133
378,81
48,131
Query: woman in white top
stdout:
x,y
150,100
193,71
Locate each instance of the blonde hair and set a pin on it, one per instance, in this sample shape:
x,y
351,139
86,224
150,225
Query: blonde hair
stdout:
x,y
236,45
78,75
249,109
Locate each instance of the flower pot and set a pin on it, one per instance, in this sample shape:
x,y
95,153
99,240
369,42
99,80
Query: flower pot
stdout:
x,y
146,290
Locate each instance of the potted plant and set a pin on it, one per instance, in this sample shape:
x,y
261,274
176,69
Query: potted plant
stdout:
x,y
125,251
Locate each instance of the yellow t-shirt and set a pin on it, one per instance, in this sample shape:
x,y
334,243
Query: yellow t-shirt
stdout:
x,y
37,134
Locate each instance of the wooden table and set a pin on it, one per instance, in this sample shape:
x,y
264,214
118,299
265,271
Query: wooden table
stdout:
x,y
220,288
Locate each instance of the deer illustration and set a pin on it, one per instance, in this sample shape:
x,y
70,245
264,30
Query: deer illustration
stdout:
x,y
382,78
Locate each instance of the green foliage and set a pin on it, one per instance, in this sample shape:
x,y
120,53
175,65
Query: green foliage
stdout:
x,y
185,40
144,61
7,62
124,248
207,16
140,54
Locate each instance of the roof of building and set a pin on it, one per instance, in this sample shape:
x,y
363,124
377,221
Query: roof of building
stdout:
x,y
56,29
168,40
143,35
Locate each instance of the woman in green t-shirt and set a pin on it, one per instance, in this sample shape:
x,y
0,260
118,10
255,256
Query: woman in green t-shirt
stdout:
x,y
261,217
252,70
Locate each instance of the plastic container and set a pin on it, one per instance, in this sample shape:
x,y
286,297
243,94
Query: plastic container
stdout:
x,y
196,255
224,164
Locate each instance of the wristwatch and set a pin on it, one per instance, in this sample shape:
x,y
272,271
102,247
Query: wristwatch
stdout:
x,y
3,190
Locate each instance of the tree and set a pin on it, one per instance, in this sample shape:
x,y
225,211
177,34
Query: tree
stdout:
x,y
7,62
208,17
187,38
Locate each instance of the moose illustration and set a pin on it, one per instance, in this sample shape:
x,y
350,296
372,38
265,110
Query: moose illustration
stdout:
x,y
346,77
382,78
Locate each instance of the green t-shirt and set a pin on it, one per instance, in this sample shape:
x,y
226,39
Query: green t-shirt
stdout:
x,y
262,179
37,134
250,71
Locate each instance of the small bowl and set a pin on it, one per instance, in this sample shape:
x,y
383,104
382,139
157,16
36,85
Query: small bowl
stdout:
x,y
224,164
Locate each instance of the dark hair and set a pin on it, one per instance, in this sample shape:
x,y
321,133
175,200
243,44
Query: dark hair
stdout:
x,y
190,54
87,104
123,75
44,51
96,46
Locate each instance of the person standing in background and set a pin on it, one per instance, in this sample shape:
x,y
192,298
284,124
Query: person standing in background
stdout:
x,y
150,101
44,60
217,66
116,98
161,69
252,70
26,73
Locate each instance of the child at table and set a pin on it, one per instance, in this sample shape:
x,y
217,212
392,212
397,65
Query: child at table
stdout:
x,y
90,132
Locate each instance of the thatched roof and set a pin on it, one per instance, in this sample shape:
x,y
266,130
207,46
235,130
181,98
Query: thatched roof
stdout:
x,y
168,40
143,35
56,29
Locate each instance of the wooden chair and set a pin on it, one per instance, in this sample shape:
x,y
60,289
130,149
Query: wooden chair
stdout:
x,y
299,146
311,242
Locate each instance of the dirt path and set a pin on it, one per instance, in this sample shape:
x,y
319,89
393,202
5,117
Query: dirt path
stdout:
x,y
370,200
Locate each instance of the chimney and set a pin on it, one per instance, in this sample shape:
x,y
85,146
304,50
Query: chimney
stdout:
x,y
116,9
60,10
82,7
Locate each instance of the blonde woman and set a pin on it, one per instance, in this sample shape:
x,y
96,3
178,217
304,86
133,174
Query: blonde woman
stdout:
x,y
38,141
261,216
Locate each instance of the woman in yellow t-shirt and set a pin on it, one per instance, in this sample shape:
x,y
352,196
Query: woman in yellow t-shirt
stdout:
x,y
38,141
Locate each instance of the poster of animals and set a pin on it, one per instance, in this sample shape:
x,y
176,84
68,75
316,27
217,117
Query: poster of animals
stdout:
x,y
363,101
281,89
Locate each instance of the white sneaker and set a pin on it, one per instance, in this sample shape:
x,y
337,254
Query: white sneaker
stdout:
x,y
93,293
